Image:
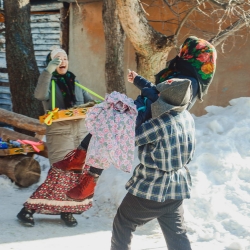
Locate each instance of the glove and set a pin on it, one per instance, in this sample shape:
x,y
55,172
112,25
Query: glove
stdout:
x,y
53,64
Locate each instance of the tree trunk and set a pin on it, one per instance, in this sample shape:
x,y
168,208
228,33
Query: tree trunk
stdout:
x,y
21,64
115,38
64,12
152,48
23,170
148,66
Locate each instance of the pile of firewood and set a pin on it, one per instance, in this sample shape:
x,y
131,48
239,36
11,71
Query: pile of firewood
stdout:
x,y
21,168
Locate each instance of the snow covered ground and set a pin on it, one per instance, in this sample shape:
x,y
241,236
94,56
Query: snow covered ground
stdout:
x,y
217,215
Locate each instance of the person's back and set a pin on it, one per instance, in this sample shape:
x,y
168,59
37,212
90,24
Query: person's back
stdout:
x,y
174,134
166,144
161,181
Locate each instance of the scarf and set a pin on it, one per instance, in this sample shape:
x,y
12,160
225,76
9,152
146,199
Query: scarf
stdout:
x,y
66,84
197,58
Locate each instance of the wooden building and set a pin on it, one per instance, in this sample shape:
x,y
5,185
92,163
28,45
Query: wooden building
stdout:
x,y
46,34
86,50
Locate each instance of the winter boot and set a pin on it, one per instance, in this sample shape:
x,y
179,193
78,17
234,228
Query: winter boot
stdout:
x,y
73,161
85,189
26,217
69,219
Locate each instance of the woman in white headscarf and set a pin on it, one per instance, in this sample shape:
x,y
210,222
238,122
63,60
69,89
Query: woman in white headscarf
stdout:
x,y
61,137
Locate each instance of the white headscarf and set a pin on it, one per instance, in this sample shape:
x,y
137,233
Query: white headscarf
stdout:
x,y
54,52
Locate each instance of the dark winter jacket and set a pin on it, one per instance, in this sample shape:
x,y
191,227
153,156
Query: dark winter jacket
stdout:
x,y
149,94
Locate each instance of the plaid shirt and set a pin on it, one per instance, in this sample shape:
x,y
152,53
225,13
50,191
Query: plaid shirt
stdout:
x,y
165,145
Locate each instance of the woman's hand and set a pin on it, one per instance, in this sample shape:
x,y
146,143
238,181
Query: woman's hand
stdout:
x,y
131,76
53,64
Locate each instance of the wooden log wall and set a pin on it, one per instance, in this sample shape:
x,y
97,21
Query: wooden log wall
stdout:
x,y
46,34
46,27
45,30
24,170
5,98
5,101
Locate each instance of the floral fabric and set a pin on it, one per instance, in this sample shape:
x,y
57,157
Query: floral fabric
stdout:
x,y
196,58
201,54
112,125
66,84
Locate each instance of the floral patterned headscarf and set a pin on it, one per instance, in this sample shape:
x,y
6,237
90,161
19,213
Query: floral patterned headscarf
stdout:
x,y
197,58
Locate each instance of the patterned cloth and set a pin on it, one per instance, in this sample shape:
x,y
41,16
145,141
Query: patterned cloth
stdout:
x,y
197,58
66,84
50,198
112,125
164,150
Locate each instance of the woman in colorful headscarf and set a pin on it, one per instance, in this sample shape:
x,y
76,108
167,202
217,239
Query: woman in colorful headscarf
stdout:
x,y
61,137
196,61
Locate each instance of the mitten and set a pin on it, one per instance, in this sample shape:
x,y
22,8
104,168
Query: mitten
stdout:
x,y
53,64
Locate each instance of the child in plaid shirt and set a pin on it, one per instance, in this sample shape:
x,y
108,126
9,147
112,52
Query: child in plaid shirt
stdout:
x,y
161,181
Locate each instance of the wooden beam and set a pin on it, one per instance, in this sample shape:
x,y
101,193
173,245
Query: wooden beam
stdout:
x,y
41,9
22,122
44,12
4,84
3,70
46,7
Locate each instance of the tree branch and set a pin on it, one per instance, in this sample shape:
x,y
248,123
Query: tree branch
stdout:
x,y
231,3
144,38
223,35
217,3
185,19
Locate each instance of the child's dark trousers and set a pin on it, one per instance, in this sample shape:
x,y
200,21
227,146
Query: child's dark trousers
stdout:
x,y
135,211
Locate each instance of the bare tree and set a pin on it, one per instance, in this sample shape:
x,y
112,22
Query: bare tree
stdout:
x,y
21,64
114,37
225,17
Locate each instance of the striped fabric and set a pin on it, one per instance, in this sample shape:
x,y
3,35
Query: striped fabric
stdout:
x,y
165,145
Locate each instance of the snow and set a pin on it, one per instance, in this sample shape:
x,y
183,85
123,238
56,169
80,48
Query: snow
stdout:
x,y
217,215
